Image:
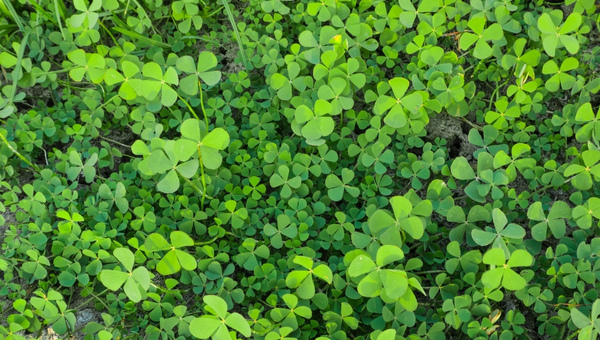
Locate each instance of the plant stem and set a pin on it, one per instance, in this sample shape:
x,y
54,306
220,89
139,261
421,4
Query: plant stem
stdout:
x,y
114,141
475,126
19,154
188,105
430,272
202,177
196,188
496,94
202,104
206,242
94,297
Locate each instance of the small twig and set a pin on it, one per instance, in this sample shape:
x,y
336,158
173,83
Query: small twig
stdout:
x,y
473,125
115,142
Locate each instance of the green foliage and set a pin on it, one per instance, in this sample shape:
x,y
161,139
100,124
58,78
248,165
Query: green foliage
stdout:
x,y
419,169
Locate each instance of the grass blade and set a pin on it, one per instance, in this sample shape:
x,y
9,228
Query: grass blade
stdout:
x,y
8,7
135,35
236,32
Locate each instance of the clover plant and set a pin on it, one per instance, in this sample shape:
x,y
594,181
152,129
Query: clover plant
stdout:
x,y
303,169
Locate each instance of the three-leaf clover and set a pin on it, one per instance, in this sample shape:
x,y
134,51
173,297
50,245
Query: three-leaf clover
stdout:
x,y
313,125
159,83
560,76
501,230
481,37
391,229
589,327
90,64
203,70
591,123
397,104
130,86
89,13
390,284
175,258
337,187
501,272
583,173
302,280
555,220
281,179
287,316
284,84
215,324
135,280
163,159
195,140
285,227
555,35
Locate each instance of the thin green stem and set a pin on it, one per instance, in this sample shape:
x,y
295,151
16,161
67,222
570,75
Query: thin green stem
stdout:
x,y
475,126
206,242
202,177
188,105
114,142
19,154
430,272
495,93
202,104
108,101
94,297
196,188
574,334
109,32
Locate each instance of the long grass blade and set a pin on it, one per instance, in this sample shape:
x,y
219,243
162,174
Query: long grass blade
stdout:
x,y
57,14
16,74
141,37
15,16
236,32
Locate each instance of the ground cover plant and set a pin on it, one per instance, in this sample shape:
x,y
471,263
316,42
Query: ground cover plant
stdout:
x,y
307,169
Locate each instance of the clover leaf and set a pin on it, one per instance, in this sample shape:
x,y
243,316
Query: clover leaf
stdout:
x,y
134,281
501,272
159,83
501,230
555,220
590,130
588,326
175,259
314,125
396,105
284,85
302,280
556,35
285,227
90,64
390,284
481,37
282,179
337,187
163,159
215,324
390,229
202,70
89,14
583,173
560,76
195,140
130,86
287,316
